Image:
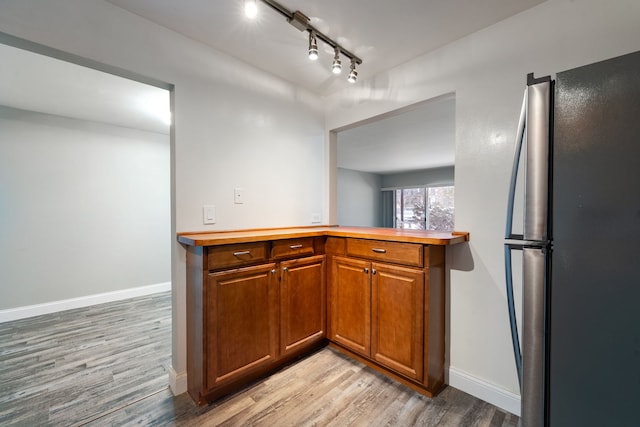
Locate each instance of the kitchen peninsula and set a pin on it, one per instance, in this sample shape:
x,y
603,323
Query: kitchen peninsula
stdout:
x,y
258,299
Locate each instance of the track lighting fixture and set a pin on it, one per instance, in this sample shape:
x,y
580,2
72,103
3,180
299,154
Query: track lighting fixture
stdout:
x,y
302,22
353,74
336,67
313,46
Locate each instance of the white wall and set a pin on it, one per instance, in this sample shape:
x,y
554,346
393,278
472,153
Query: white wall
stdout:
x,y
85,208
359,198
235,126
487,71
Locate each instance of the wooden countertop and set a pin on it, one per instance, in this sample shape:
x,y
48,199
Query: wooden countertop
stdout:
x,y
389,234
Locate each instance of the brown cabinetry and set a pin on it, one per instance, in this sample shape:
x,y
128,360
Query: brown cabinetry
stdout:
x,y
351,304
397,330
257,300
377,311
389,314
241,322
251,307
302,303
292,247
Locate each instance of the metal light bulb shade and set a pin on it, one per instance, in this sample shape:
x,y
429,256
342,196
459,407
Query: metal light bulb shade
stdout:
x,y
353,74
313,47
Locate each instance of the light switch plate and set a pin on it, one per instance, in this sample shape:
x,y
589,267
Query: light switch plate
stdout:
x,y
238,196
209,214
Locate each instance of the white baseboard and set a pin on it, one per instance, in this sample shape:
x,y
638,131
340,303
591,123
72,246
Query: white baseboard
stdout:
x,y
68,304
497,396
177,381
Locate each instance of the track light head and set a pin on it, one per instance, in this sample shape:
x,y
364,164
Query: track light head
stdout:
x,y
336,67
353,74
313,46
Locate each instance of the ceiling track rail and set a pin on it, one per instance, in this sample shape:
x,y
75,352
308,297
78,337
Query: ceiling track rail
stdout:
x,y
297,20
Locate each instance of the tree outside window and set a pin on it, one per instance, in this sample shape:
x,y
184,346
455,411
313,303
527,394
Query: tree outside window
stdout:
x,y
425,208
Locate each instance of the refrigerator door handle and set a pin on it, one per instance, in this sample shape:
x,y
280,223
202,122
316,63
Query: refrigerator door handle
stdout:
x,y
514,172
537,167
534,338
512,310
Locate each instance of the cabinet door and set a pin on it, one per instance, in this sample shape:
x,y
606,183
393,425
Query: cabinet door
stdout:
x,y
302,303
241,322
351,304
398,314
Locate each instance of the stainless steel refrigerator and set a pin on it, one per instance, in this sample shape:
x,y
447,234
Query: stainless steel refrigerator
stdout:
x,y
577,340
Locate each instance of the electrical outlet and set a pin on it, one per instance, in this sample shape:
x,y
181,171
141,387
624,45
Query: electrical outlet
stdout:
x,y
316,218
209,214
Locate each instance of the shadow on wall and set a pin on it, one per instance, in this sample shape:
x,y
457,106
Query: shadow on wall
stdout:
x,y
460,257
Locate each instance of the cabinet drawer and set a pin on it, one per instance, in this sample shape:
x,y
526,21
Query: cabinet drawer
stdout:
x,y
292,247
236,255
379,250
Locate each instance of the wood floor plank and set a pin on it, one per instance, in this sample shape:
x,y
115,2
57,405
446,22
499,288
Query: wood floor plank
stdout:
x,y
107,366
64,367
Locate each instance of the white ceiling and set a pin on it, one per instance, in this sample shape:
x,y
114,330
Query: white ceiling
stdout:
x,y
34,82
418,137
382,33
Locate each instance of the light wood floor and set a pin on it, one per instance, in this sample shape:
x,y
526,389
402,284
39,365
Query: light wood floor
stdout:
x,y
107,366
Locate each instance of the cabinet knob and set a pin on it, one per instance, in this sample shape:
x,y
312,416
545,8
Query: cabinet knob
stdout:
x,y
273,271
373,271
366,270
285,269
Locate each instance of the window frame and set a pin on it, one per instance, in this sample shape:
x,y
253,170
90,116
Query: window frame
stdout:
x,y
425,194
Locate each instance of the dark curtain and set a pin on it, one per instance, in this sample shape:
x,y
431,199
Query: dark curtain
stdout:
x,y
387,208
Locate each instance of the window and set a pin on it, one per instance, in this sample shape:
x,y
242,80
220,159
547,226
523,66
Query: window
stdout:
x,y
424,208
410,208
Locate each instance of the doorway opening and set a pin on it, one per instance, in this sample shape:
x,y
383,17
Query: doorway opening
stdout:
x,y
85,189
397,169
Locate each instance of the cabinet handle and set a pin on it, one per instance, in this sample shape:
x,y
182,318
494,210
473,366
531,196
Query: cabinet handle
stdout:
x,y
285,269
373,271
380,251
242,253
273,271
366,270
295,246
